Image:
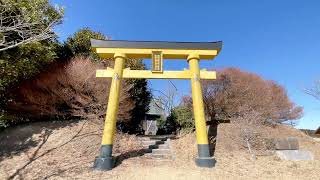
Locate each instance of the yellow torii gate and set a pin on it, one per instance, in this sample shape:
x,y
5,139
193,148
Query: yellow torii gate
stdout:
x,y
157,51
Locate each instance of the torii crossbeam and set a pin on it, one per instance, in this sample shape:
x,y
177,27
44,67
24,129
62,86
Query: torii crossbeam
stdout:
x,y
157,51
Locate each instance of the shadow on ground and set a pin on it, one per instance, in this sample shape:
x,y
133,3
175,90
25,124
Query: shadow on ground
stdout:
x,y
18,139
130,154
34,141
212,134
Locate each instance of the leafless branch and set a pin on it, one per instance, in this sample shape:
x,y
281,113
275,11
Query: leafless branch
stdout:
x,y
166,99
15,30
314,91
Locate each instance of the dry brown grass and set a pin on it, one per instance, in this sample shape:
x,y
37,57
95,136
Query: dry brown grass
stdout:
x,y
234,161
45,149
66,150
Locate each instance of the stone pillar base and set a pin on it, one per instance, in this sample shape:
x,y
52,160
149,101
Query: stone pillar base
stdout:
x,y
104,163
208,162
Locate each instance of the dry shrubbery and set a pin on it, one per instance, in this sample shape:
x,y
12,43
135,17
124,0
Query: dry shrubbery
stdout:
x,y
249,102
234,89
68,90
249,130
125,142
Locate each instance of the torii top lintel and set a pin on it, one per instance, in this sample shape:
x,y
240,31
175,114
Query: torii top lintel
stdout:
x,y
144,49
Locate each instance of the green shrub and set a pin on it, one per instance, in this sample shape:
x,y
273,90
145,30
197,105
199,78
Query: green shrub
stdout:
x,y
5,121
180,118
184,118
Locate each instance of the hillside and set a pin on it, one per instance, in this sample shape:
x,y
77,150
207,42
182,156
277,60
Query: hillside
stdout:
x,y
65,150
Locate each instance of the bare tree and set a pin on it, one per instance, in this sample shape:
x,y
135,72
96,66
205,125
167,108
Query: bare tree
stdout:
x,y
314,90
16,28
167,99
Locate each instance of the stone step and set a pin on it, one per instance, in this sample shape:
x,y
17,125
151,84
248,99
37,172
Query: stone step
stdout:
x,y
159,156
143,138
158,138
148,142
153,146
147,138
151,161
152,142
157,146
163,146
146,150
161,151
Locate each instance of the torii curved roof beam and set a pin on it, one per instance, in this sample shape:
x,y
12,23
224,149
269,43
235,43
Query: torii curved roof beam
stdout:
x,y
144,49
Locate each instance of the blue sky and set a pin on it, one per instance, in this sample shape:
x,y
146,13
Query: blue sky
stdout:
x,y
279,40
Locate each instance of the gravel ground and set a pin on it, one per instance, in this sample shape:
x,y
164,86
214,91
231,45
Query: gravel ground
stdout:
x,y
66,150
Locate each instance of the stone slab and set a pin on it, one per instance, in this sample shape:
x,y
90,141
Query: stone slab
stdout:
x,y
294,155
289,143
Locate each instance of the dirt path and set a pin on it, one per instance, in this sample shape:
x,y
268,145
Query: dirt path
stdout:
x,y
66,150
